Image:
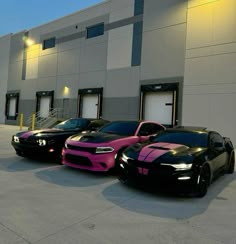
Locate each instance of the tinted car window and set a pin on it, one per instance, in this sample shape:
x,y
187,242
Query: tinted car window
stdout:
x,y
71,124
150,129
215,139
190,139
121,128
96,124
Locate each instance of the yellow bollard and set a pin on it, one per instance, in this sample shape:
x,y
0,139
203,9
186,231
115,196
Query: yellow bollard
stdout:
x,y
21,121
33,121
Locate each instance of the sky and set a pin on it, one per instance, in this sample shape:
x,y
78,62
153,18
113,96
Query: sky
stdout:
x,y
18,15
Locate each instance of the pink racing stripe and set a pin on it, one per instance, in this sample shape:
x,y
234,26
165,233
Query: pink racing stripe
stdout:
x,y
153,151
30,133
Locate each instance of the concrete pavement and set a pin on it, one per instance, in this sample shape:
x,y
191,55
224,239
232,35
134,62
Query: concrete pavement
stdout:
x,y
45,203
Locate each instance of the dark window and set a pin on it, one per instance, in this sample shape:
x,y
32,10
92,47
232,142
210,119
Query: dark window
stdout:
x,y
120,128
72,124
49,43
96,30
150,129
215,140
190,139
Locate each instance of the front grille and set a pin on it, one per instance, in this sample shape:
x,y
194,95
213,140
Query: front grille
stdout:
x,y
155,167
138,163
79,160
27,141
83,149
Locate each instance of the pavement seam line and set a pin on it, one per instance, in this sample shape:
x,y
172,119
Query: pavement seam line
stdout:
x,y
15,233
81,221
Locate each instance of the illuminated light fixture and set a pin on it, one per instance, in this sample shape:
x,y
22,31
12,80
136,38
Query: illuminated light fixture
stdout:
x,y
28,41
66,90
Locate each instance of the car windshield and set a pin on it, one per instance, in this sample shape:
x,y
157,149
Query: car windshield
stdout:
x,y
125,128
188,138
71,124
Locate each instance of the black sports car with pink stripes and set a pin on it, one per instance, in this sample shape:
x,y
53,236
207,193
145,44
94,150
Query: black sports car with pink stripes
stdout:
x,y
186,157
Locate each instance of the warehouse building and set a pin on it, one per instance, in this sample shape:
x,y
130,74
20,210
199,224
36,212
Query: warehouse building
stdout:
x,y
172,61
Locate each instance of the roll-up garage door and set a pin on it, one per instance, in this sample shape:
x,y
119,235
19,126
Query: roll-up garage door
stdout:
x,y
90,106
90,103
159,102
12,106
159,107
44,103
45,106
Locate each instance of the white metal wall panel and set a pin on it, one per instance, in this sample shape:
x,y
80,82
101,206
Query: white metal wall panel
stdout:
x,y
158,107
90,106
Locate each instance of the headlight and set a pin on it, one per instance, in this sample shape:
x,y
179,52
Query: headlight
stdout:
x,y
104,149
42,142
179,166
16,139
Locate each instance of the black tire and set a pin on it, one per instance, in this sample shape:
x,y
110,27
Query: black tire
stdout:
x,y
231,164
203,181
123,178
116,168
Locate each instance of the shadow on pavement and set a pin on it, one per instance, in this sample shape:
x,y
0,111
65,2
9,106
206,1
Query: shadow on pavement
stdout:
x,y
16,163
66,176
165,204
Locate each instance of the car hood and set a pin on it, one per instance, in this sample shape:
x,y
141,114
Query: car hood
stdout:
x,y
43,133
97,137
162,152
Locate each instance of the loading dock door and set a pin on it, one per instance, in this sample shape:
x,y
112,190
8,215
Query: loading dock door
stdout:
x,y
12,106
158,106
90,106
45,106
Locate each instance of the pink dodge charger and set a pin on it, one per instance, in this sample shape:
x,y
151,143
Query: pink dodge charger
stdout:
x,y
101,151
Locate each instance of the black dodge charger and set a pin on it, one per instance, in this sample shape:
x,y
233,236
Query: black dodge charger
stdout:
x,y
49,142
189,158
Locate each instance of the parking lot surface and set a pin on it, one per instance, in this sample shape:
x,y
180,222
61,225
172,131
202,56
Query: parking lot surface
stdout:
x,y
43,202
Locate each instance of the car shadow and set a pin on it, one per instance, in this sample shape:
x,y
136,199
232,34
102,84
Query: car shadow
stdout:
x,y
70,177
165,203
16,163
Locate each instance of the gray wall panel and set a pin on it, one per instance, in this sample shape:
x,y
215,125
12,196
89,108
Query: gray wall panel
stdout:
x,y
163,52
92,79
125,108
93,57
71,82
161,14
14,77
17,47
4,66
27,107
122,82
71,109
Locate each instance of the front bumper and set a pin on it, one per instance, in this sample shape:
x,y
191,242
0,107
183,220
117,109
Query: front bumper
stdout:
x,y
159,176
35,150
88,161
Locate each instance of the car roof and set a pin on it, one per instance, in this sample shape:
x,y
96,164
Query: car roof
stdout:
x,y
189,129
